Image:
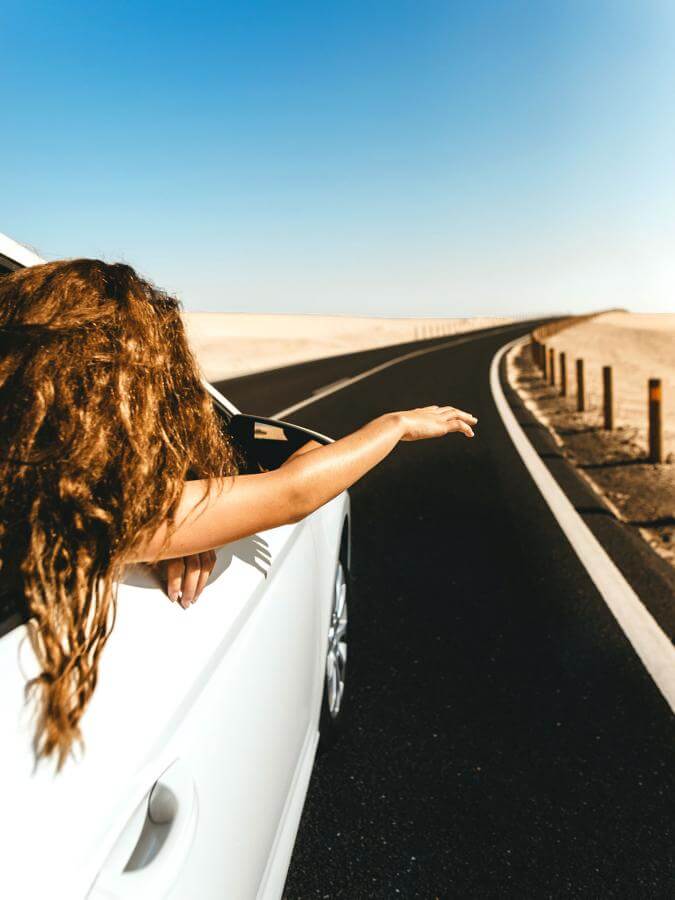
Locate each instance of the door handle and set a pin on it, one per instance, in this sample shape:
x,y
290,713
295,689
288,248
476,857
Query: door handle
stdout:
x,y
148,855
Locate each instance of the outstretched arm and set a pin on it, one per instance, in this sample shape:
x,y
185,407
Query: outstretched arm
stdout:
x,y
241,505
305,448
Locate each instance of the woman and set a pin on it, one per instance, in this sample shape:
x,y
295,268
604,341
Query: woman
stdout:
x,y
111,453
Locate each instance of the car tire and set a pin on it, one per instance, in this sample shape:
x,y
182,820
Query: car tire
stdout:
x,y
331,720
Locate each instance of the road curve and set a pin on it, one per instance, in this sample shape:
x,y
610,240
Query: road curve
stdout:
x,y
504,740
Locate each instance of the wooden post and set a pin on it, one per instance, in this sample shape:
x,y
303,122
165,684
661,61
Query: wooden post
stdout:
x,y
655,421
551,366
581,390
563,374
544,368
608,397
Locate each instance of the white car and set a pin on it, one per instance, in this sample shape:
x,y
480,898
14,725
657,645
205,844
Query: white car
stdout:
x,y
202,732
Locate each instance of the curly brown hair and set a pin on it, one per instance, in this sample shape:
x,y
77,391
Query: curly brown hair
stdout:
x,y
103,417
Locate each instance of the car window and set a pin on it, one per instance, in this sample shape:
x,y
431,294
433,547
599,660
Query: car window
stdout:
x,y
8,265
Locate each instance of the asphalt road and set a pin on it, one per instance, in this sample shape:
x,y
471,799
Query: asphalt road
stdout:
x,y
503,739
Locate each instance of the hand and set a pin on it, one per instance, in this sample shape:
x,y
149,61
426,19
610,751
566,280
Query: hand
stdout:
x,y
435,421
186,576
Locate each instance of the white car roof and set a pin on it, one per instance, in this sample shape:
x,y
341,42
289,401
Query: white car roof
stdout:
x,y
17,253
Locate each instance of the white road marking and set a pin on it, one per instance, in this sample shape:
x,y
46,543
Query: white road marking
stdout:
x,y
343,383
648,640
324,387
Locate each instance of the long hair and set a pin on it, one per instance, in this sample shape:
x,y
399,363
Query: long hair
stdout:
x,y
103,417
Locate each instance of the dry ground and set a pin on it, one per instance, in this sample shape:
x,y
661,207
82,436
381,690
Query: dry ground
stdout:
x,y
614,462
231,344
638,346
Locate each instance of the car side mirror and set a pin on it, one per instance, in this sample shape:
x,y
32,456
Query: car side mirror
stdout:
x,y
267,443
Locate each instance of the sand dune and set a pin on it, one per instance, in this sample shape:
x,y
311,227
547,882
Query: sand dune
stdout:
x,y
638,346
230,344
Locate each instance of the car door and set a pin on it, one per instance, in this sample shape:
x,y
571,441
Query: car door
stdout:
x,y
193,737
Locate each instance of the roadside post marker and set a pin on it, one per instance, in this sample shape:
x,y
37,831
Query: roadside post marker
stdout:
x,y
581,391
655,421
551,366
608,397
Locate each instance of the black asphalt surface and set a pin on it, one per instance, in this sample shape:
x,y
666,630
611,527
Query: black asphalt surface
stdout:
x,y
502,737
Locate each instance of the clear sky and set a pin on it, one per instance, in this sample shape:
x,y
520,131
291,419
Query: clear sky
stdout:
x,y
376,157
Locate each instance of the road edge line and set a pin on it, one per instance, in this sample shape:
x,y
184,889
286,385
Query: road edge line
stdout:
x,y
641,629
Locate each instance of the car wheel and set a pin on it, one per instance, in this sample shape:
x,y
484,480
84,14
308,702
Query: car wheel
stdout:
x,y
333,701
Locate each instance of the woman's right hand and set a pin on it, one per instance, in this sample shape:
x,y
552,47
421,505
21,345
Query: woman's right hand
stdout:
x,y
435,421
186,576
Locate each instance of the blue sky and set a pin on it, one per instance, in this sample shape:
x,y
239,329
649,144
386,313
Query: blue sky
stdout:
x,y
384,158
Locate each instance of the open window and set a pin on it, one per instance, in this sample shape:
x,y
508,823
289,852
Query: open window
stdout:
x,y
7,265
267,443
263,443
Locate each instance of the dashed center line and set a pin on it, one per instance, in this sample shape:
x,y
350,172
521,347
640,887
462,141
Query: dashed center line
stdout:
x,y
345,382
332,384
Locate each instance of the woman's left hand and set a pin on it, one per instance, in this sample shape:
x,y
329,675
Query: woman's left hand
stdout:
x,y
186,576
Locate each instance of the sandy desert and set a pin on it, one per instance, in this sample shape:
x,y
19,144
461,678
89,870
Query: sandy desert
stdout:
x,y
231,344
638,346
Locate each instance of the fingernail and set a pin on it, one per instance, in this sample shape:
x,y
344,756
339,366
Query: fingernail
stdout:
x,y
176,595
